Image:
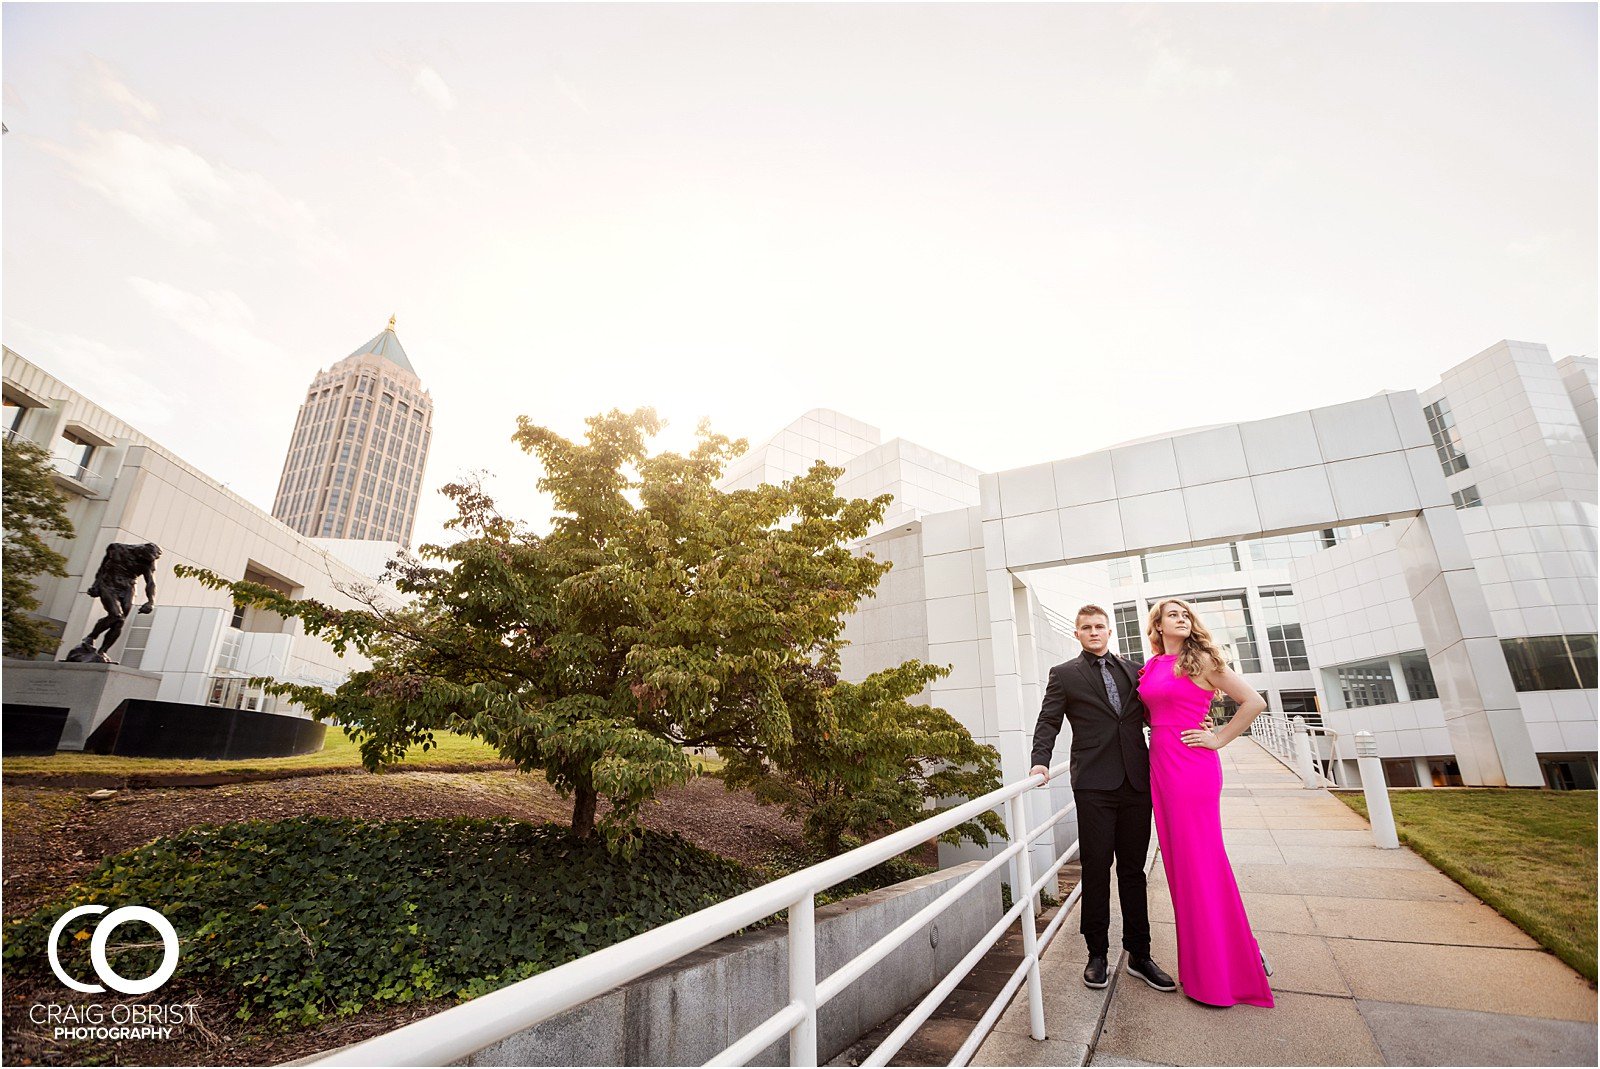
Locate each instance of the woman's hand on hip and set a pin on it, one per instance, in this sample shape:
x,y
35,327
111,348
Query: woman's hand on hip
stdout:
x,y
1202,738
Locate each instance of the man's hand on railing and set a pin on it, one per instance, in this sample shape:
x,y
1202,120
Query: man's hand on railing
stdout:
x,y
1040,770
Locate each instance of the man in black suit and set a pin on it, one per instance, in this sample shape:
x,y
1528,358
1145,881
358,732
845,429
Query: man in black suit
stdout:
x,y
1097,693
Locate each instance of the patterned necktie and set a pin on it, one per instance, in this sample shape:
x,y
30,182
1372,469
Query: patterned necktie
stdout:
x,y
1111,685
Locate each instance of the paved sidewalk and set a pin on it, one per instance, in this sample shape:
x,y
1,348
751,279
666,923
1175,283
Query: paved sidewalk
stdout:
x,y
1379,959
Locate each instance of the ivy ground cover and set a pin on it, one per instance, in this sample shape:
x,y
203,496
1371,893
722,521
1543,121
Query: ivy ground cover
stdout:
x,y
316,918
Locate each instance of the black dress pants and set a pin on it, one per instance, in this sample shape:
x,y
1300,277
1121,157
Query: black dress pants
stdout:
x,y
1114,824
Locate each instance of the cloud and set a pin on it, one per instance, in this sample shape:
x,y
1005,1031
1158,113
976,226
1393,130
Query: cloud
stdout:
x,y
173,189
107,84
1172,69
113,377
12,100
427,84
219,318
566,89
1531,246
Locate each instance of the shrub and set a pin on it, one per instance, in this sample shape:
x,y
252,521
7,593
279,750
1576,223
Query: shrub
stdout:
x,y
317,917
34,511
865,759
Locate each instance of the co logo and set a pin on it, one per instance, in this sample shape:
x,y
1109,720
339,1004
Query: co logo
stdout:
x,y
97,950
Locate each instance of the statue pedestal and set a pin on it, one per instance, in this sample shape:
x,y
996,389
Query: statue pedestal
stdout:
x,y
89,691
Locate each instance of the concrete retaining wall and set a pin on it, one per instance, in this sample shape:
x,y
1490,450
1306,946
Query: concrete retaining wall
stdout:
x,y
89,691
687,1012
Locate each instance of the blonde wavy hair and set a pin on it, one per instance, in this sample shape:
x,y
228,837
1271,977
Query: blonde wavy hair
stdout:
x,y
1200,655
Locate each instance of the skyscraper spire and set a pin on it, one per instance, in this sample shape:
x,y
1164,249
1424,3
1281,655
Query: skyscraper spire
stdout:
x,y
355,464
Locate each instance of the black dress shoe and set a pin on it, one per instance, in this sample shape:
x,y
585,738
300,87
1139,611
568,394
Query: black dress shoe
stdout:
x,y
1147,970
1094,973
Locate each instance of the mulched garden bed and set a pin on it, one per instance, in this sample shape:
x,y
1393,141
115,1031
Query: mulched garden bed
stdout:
x,y
53,837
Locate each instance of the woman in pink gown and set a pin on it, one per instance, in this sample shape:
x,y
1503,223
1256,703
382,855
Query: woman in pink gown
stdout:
x,y
1219,962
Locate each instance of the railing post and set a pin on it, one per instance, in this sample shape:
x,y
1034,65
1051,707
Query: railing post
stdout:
x,y
1302,754
1018,830
803,979
1376,788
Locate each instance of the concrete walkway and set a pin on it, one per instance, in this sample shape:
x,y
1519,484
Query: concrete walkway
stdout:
x,y
1379,959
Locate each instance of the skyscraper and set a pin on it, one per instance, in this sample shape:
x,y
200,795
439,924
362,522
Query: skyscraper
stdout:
x,y
355,463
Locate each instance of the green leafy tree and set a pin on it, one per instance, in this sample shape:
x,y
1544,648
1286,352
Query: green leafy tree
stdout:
x,y
34,510
657,614
869,760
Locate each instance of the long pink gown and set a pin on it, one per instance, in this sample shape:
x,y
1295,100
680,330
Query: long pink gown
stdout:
x,y
1218,960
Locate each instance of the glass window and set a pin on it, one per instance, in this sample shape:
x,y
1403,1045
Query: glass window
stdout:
x,y
228,655
1278,551
1298,701
1227,617
1418,675
1282,616
14,414
1400,772
1367,683
1444,772
1130,639
1446,442
1181,563
1572,774
1551,662
70,455
138,639
1301,703
73,449
1466,498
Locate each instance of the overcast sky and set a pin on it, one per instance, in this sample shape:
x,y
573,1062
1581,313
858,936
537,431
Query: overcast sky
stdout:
x,y
1011,234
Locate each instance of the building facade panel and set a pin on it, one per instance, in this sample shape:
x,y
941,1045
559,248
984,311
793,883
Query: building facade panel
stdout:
x,y
203,648
1368,562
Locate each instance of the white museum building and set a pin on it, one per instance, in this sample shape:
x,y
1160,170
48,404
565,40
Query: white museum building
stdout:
x,y
1420,565
120,486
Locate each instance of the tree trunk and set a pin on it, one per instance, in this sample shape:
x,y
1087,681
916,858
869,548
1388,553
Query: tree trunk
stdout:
x,y
583,805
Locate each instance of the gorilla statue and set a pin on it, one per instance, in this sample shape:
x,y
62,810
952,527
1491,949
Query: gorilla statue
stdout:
x,y
123,565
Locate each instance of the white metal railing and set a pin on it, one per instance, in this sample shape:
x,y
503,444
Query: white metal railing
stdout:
x,y
1308,749
458,1032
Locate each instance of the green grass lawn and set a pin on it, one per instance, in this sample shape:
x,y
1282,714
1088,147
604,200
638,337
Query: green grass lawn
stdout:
x,y
1529,854
337,752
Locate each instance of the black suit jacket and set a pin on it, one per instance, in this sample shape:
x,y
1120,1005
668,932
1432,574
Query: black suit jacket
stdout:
x,y
1107,743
